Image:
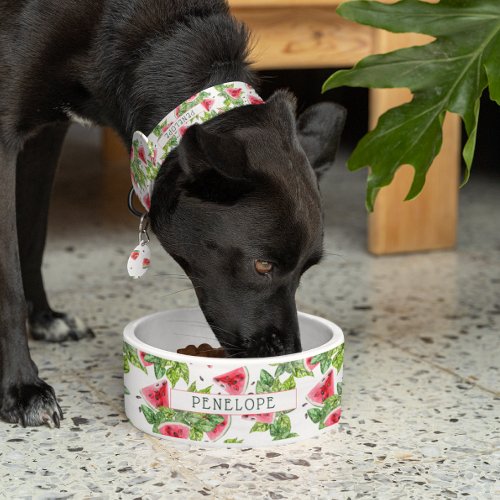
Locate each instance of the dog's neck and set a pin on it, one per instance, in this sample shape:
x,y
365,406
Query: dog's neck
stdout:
x,y
197,53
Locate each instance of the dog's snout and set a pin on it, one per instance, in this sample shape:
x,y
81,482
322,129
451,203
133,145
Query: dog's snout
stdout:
x,y
273,342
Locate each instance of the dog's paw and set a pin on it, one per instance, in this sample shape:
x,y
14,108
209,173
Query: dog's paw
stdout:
x,y
30,404
57,327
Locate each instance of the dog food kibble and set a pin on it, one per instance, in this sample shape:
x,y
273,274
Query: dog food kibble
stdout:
x,y
203,350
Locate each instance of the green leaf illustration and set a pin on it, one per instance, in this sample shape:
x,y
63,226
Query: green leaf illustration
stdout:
x,y
281,427
193,388
289,383
446,75
159,370
260,427
166,415
285,436
300,371
315,414
331,403
277,386
126,365
280,370
152,359
133,357
325,364
233,440
195,434
173,375
149,414
266,378
260,388
183,371
338,360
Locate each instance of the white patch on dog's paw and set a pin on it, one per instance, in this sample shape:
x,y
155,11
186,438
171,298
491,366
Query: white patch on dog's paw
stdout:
x,y
59,328
56,330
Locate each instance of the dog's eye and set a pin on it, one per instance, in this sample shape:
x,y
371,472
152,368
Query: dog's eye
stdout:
x,y
263,266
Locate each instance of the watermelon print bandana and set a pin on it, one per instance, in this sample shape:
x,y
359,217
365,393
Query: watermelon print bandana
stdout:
x,y
148,153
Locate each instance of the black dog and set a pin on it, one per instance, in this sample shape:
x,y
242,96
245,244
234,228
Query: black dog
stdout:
x,y
237,204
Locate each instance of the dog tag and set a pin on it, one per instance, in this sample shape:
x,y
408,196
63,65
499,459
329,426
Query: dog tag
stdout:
x,y
139,260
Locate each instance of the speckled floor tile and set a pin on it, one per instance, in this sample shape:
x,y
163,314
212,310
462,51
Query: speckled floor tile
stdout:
x,y
421,404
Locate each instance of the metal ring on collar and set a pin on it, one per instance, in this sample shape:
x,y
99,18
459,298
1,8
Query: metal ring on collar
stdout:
x,y
131,207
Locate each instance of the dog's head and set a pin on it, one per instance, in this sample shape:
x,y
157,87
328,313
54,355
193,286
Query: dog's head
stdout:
x,y
237,205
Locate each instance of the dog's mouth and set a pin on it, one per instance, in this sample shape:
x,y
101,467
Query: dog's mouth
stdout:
x,y
268,342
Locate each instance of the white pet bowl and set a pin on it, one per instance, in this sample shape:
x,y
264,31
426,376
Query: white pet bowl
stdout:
x,y
223,402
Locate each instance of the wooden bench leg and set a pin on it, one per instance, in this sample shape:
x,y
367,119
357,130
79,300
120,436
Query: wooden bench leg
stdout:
x,y
428,222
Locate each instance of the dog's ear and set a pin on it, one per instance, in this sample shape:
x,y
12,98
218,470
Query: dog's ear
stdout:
x,y
201,151
319,129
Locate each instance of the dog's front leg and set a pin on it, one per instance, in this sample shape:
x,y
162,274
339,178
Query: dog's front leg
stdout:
x,y
24,398
36,166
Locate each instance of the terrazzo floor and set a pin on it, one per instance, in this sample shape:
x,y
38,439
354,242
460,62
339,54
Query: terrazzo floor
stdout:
x,y
421,389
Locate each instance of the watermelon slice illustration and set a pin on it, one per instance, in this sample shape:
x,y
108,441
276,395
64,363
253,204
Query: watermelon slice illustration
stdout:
x,y
156,395
234,93
234,382
323,390
265,418
220,429
143,361
309,365
175,430
333,417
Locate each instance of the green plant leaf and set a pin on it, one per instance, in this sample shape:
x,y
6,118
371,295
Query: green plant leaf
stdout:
x,y
133,358
206,390
323,359
446,75
260,388
183,371
325,364
149,414
331,403
281,427
165,415
300,371
315,414
195,434
126,365
173,375
281,369
259,427
277,386
289,383
285,436
266,378
159,370
233,440
338,358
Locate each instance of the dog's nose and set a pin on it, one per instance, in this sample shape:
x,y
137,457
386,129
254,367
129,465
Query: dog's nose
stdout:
x,y
273,342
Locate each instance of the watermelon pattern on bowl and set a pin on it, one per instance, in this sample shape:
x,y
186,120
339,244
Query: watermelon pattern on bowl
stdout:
x,y
228,402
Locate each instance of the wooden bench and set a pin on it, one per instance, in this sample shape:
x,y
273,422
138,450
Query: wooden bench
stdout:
x,y
309,34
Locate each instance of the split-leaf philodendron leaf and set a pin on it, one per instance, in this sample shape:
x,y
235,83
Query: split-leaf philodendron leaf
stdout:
x,y
448,74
